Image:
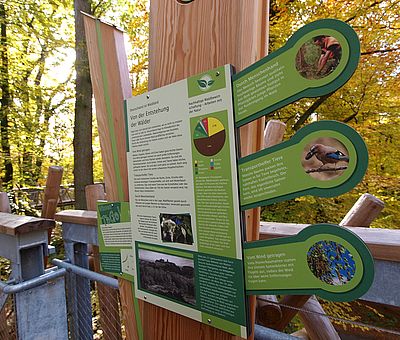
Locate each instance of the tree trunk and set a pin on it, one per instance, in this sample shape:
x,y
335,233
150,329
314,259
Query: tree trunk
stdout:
x,y
5,100
83,153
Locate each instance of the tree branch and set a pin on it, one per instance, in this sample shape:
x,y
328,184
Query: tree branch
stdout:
x,y
369,7
309,171
310,111
381,51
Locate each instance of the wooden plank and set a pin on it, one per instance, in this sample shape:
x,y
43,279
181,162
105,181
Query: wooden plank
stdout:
x,y
4,203
108,297
16,224
51,191
186,40
78,217
110,80
384,244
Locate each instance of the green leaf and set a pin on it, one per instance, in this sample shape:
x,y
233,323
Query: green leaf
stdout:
x,y
202,83
210,82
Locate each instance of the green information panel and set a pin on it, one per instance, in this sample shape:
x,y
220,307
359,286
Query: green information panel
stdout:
x,y
185,214
325,159
182,240
322,259
115,239
317,60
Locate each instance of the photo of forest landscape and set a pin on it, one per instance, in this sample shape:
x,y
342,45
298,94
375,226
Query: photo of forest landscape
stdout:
x,y
331,262
167,275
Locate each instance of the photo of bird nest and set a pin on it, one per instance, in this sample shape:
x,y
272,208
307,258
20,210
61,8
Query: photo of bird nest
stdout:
x,y
331,263
318,57
325,158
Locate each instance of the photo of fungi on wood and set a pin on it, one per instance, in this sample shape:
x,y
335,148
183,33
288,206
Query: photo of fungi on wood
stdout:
x,y
171,276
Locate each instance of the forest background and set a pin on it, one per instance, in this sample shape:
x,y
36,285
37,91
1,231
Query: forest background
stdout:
x,y
44,122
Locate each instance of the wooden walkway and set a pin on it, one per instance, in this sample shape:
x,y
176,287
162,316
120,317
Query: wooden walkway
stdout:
x,y
34,196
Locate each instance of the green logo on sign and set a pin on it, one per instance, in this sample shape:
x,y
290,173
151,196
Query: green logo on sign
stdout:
x,y
205,82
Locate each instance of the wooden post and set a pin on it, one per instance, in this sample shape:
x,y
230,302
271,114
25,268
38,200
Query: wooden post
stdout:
x,y
360,214
108,297
50,197
317,326
4,203
110,80
363,212
268,313
189,39
184,40
51,191
5,208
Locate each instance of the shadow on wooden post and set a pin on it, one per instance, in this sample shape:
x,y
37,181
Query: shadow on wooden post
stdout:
x,y
108,297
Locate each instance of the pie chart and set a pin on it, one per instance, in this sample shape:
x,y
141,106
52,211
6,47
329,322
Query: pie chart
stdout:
x,y
209,136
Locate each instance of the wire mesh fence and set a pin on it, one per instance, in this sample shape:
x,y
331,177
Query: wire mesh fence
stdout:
x,y
94,310
8,329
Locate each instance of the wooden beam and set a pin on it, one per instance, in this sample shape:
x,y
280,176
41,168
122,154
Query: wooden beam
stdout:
x,y
317,325
108,297
268,313
111,85
51,191
4,203
186,40
384,244
362,215
84,217
17,224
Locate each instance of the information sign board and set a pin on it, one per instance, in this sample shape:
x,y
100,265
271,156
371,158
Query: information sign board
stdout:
x,y
180,236
115,239
322,259
318,59
184,200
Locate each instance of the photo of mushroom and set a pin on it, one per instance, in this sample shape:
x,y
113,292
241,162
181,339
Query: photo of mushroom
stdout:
x,y
325,158
318,57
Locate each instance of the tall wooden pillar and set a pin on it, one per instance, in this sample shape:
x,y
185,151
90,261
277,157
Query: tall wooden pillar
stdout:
x,y
186,39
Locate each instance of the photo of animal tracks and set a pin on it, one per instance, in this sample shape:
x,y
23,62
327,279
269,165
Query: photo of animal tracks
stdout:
x,y
176,228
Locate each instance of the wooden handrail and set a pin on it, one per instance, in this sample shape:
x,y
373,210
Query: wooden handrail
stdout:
x,y
15,224
84,217
384,244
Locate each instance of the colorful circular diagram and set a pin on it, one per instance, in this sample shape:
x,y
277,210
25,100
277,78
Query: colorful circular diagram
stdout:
x,y
209,136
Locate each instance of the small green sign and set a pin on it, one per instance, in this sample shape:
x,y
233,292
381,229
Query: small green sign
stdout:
x,y
318,59
322,259
325,159
115,239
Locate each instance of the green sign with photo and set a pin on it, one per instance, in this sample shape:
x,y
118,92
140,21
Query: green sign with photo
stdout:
x,y
115,239
325,159
318,59
322,259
